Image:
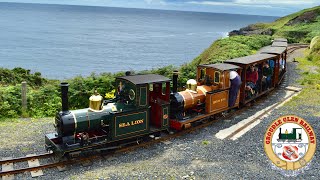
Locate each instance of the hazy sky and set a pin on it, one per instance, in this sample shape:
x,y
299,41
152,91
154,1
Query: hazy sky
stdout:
x,y
259,7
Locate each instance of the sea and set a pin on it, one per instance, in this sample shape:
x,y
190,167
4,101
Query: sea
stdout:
x,y
64,41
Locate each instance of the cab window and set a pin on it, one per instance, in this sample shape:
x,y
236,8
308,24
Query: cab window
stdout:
x,y
150,87
217,77
164,88
202,73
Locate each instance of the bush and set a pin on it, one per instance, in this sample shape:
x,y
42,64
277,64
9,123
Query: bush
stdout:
x,y
10,101
17,75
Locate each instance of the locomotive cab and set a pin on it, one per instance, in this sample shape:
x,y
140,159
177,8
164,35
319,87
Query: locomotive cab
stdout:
x,y
148,93
207,95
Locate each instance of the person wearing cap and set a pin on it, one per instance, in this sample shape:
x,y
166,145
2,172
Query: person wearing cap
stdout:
x,y
234,87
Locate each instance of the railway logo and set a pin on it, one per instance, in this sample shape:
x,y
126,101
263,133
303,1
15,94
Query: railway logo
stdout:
x,y
290,143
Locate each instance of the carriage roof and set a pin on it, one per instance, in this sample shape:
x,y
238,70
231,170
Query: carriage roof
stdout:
x,y
251,59
280,40
279,44
273,50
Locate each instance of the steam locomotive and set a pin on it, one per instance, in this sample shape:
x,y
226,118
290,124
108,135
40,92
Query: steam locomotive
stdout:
x,y
144,105
294,136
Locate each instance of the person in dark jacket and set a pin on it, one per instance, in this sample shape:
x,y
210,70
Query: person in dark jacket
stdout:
x,y
234,87
267,74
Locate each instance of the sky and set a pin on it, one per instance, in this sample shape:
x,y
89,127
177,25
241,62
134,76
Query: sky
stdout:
x,y
255,7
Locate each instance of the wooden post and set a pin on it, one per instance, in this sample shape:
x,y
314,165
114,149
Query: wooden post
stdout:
x,y
24,96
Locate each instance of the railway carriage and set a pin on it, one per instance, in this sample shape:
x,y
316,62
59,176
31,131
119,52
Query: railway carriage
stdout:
x,y
280,42
256,60
281,61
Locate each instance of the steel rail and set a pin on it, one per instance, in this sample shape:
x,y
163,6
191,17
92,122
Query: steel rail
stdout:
x,y
20,159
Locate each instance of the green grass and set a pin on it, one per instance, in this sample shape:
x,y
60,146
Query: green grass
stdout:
x,y
232,47
301,32
310,79
205,142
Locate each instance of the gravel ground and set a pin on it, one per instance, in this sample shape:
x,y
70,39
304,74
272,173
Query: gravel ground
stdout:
x,y
198,155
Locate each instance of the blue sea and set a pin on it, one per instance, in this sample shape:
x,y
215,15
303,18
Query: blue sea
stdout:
x,y
63,41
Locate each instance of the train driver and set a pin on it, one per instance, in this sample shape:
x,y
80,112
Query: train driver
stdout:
x,y
234,87
120,92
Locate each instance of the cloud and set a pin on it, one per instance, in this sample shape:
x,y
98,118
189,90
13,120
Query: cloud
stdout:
x,y
256,3
276,2
214,3
159,2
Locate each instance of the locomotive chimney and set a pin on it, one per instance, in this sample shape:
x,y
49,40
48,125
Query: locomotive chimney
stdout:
x,y
175,81
64,97
128,73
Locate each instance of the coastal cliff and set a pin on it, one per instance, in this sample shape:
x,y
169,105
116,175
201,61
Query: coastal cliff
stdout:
x,y
301,26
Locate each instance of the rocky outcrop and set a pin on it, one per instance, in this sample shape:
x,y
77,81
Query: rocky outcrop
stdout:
x,y
307,17
250,30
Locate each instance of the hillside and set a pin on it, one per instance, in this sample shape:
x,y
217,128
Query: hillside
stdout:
x,y
301,26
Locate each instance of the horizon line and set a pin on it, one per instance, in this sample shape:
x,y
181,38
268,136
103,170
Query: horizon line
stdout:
x,y
103,6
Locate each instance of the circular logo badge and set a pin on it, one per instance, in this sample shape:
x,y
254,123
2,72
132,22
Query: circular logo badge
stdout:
x,y
290,142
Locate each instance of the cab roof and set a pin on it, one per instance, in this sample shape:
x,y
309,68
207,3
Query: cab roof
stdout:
x,y
220,66
144,79
251,59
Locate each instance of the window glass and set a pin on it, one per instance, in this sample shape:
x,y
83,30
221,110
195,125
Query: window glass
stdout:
x,y
202,73
217,77
150,87
164,88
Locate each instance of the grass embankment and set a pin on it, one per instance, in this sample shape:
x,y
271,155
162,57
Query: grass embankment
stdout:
x,y
310,79
44,97
301,26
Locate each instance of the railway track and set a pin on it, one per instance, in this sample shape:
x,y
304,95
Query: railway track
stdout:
x,y
7,164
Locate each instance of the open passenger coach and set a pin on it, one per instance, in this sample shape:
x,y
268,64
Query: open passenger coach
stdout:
x,y
144,105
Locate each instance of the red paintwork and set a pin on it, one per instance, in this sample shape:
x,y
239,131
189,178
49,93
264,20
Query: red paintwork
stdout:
x,y
175,124
156,97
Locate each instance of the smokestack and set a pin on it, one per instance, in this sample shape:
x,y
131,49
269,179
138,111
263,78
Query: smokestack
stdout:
x,y
175,81
128,73
64,97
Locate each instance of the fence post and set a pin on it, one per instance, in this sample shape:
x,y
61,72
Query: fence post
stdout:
x,y
24,96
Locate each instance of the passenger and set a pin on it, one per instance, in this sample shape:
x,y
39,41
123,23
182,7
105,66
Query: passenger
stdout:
x,y
252,78
258,84
282,64
234,87
267,74
271,63
252,75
